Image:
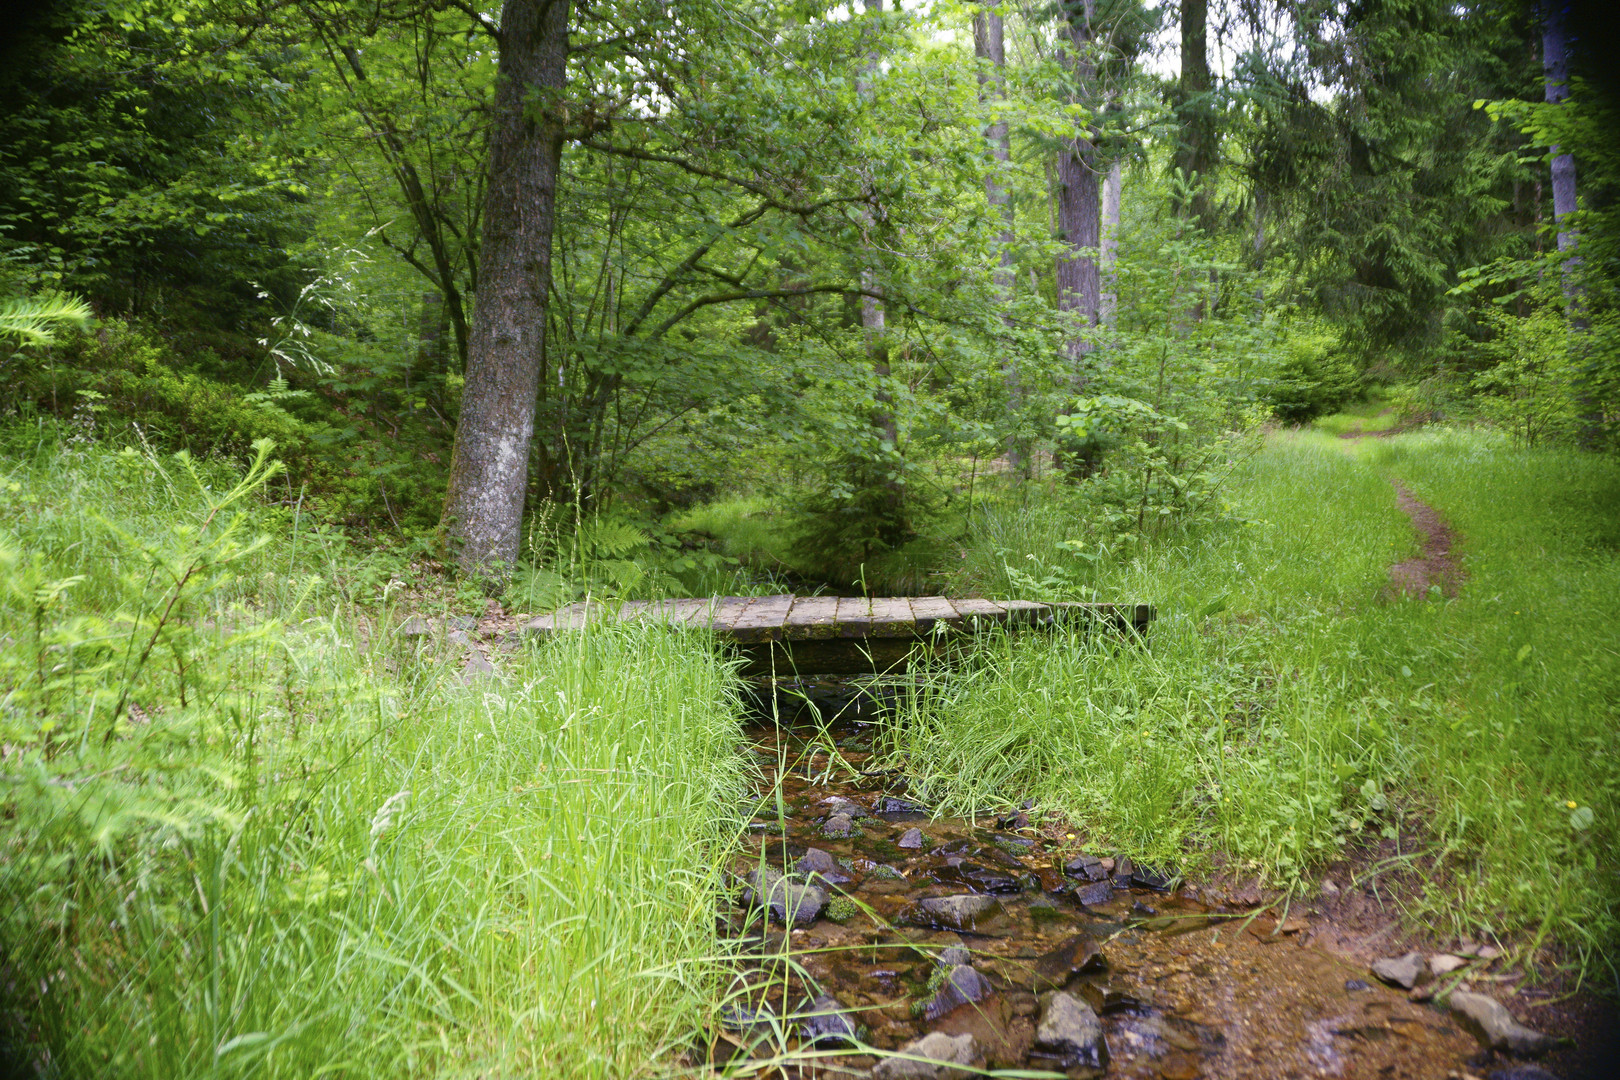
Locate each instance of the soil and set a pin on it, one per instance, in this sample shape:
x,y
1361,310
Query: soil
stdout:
x,y
1435,568
1208,979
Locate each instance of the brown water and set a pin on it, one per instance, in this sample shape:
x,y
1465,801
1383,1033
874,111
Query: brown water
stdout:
x,y
1183,991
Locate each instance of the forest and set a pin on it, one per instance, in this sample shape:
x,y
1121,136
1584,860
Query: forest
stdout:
x,y
343,342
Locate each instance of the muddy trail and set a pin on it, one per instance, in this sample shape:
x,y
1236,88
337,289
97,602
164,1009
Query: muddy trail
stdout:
x,y
1434,568
998,944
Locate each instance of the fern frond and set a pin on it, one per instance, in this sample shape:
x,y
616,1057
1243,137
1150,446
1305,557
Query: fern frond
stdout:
x,y
34,320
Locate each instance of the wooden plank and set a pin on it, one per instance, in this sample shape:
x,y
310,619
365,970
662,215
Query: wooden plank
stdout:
x,y
891,617
931,612
680,612
813,618
726,612
763,620
1027,613
976,612
854,616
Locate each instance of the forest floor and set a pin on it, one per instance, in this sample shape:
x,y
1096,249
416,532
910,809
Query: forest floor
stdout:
x,y
341,777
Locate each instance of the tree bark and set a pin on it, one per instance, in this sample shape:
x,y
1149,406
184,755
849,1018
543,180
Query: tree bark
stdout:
x,y
1108,307
489,470
1195,116
1555,69
1079,288
989,47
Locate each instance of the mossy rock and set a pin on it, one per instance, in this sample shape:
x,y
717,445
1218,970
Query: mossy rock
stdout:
x,y
842,909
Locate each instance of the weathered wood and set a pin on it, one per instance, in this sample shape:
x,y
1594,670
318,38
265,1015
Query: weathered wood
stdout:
x,y
812,618
785,635
933,613
854,616
1027,612
976,612
891,617
763,620
727,611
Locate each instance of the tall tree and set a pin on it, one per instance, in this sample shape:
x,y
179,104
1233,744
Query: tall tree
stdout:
x,y
989,48
1079,287
1555,71
1195,113
489,470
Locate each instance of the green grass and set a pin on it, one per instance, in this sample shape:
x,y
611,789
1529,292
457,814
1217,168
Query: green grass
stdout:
x,y
1287,707
335,857
1372,415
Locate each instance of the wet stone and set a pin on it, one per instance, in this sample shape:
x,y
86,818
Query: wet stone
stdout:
x,y
974,876
1402,971
954,912
1491,1022
837,804
953,956
1148,878
838,826
1077,955
1087,866
1098,892
750,1023
824,1024
786,900
1071,1033
911,840
932,1057
1353,985
824,866
961,985
890,805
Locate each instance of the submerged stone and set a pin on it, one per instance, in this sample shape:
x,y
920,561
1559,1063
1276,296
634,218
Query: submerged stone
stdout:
x,y
935,1056
1071,1033
1098,892
961,985
839,825
954,912
824,1023
1076,955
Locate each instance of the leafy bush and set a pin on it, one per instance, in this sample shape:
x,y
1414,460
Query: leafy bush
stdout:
x,y
1315,375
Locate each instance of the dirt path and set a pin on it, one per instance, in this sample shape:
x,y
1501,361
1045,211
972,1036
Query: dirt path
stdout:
x,y
1435,567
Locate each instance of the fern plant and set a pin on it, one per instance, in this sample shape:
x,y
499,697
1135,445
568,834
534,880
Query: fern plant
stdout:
x,y
34,320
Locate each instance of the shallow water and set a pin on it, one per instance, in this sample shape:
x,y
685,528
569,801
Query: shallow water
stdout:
x,y
1182,990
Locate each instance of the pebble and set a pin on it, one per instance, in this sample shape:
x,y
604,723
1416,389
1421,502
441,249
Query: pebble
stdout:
x,y
911,840
1445,963
1353,985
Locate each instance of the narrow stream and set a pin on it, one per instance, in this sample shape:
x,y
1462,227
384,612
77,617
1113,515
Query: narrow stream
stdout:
x,y
888,925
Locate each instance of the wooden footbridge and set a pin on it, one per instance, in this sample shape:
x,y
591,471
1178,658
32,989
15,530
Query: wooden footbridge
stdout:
x,y
788,635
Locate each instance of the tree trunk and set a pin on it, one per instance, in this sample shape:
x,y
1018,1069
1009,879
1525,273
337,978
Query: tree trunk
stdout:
x,y
1108,307
1555,69
990,49
1195,115
489,470
1079,288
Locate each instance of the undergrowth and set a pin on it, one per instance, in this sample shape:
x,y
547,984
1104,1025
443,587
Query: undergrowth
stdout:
x,y
1288,709
249,831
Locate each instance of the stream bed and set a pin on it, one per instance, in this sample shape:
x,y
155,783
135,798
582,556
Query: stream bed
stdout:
x,y
870,925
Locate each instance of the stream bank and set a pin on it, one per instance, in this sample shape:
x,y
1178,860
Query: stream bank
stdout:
x,y
874,929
